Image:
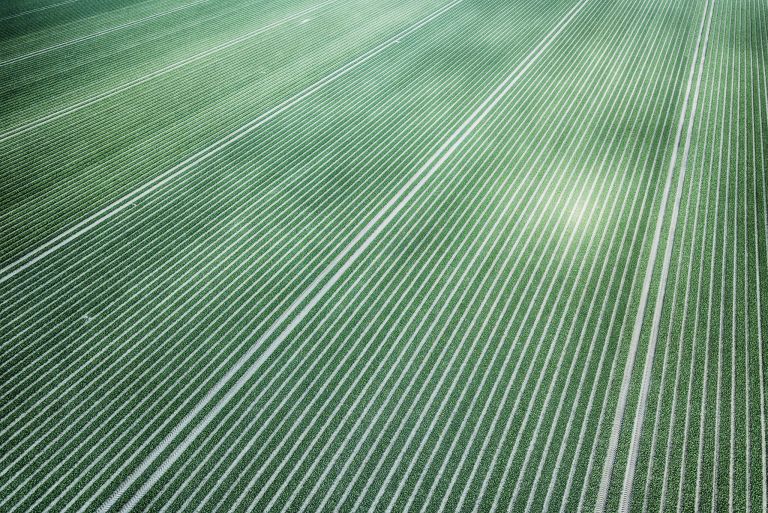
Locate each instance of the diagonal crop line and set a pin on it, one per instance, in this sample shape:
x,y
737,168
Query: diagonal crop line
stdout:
x,y
284,198
552,384
442,470
10,134
472,265
311,296
144,153
401,149
397,237
293,137
220,250
487,440
660,297
454,355
460,266
592,451
116,28
166,195
510,458
607,471
568,337
327,327
611,325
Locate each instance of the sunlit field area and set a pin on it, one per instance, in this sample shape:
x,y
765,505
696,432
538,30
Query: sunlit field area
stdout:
x,y
383,255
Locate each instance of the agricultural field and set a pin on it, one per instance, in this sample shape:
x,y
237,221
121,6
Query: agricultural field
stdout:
x,y
383,255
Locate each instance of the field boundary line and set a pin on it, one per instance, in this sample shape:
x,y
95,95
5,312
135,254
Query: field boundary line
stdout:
x,y
608,464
